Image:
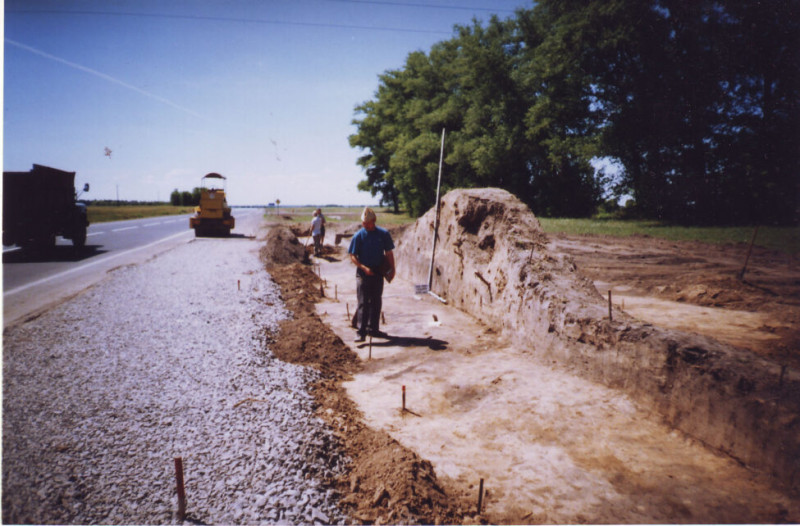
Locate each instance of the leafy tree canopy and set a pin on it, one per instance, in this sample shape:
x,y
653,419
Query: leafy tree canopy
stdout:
x,y
697,102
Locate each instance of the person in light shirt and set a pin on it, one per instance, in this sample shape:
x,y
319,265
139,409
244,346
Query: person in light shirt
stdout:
x,y
317,225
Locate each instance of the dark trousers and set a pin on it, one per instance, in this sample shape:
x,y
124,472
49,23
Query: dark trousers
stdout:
x,y
370,301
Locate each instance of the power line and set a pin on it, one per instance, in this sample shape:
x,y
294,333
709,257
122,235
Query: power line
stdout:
x,y
426,6
226,19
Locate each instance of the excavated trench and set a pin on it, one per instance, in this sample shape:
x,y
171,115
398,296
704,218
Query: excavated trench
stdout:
x,y
492,262
568,416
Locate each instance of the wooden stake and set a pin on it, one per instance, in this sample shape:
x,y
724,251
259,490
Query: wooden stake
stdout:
x,y
348,311
370,347
321,290
181,489
404,398
609,306
747,258
480,497
238,284
383,318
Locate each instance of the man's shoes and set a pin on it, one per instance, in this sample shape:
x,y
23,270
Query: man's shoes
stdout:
x,y
378,334
360,338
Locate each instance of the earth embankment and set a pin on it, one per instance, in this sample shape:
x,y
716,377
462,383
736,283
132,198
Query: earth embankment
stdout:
x,y
492,260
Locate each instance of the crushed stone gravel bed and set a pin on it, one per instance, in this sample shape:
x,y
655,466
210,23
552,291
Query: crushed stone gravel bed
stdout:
x,y
161,360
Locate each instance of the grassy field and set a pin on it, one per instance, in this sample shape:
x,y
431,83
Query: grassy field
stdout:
x,y
102,214
784,239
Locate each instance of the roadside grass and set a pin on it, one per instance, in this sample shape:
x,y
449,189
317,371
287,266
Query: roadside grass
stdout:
x,y
783,239
102,214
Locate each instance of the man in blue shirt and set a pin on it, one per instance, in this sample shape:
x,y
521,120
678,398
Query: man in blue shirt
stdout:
x,y
371,252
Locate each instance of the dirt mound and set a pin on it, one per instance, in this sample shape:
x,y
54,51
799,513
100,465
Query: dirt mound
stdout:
x,y
387,483
282,247
492,261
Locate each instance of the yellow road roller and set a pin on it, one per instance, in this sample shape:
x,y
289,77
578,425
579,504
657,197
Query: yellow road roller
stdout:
x,y
212,216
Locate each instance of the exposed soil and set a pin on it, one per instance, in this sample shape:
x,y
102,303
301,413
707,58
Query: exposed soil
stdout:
x,y
695,287
536,429
388,483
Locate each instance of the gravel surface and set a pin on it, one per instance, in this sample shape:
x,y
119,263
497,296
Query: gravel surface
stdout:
x,y
160,360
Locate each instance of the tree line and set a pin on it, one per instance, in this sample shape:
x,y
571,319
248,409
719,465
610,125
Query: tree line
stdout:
x,y
184,198
114,202
693,104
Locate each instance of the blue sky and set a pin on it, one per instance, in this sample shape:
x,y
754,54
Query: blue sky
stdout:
x,y
260,91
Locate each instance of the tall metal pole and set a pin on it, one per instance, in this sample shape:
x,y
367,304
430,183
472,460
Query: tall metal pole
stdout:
x,y
436,219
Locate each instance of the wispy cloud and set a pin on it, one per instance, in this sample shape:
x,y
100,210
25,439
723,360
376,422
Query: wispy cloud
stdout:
x,y
103,76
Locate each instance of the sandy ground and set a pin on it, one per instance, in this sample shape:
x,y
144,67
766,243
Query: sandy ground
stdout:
x,y
694,287
550,447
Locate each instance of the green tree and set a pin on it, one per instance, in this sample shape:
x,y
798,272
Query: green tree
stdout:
x,y
474,87
175,198
697,101
693,98
561,120
376,162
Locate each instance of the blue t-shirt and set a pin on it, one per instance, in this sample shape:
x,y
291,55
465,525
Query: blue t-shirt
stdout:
x,y
370,246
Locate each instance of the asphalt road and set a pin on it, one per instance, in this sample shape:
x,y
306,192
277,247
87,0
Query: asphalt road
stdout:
x,y
34,282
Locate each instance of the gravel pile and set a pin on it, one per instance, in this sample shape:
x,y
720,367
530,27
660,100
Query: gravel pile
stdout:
x,y
162,360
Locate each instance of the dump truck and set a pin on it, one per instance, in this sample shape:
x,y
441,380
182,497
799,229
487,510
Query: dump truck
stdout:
x,y
212,215
41,204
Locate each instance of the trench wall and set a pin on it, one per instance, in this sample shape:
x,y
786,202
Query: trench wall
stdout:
x,y
492,261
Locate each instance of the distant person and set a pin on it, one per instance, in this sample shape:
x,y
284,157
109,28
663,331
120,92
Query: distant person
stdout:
x,y
316,232
322,236
371,252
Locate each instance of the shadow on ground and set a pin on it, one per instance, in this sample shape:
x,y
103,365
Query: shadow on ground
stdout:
x,y
408,341
57,253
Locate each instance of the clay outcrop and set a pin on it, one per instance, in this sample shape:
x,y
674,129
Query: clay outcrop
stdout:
x,y
492,261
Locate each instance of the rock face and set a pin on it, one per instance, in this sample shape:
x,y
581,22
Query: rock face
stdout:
x,y
492,261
